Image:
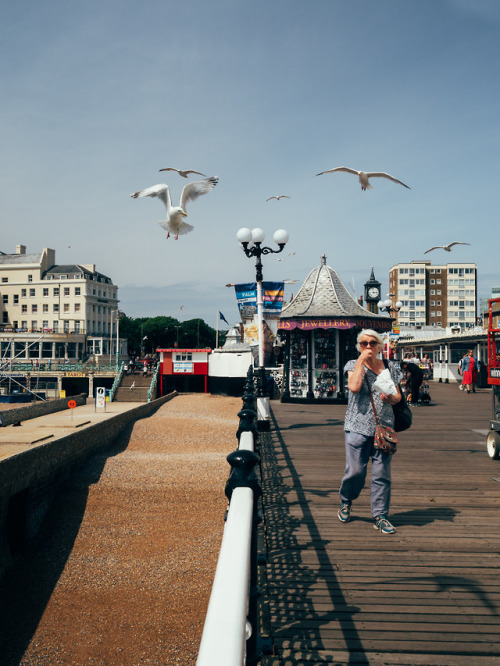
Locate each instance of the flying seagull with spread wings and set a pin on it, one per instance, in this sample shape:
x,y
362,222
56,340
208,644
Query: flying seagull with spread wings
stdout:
x,y
281,196
446,248
184,174
364,176
174,223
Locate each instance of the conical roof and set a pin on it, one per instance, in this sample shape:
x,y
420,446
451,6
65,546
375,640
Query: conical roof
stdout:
x,y
324,296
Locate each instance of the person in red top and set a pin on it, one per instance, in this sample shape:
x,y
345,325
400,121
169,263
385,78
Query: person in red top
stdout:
x,y
469,369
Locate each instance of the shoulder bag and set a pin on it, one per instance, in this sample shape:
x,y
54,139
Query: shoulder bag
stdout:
x,y
385,437
402,413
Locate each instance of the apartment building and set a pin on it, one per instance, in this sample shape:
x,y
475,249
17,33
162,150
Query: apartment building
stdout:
x,y
39,298
435,295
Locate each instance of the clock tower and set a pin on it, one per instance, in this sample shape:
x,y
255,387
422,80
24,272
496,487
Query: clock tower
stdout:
x,y
372,293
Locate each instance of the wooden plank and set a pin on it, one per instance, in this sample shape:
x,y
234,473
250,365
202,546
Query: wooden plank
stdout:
x,y
429,594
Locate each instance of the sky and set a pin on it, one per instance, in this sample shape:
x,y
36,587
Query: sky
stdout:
x,y
97,96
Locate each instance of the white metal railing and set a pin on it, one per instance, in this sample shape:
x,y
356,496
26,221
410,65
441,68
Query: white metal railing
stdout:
x,y
227,629
223,642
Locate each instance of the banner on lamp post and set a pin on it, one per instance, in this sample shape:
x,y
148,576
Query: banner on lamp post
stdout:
x,y
272,296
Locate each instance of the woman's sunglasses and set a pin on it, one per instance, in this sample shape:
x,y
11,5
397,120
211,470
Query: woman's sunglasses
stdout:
x,y
369,343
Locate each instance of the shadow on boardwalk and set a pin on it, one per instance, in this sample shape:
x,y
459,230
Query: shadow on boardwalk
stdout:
x,y
345,594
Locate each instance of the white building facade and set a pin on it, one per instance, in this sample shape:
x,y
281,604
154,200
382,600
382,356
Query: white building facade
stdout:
x,y
435,295
54,311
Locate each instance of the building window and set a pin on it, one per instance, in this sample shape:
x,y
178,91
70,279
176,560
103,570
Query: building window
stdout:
x,y
34,325
32,293
45,307
45,324
24,309
77,291
23,293
77,327
5,299
5,317
45,291
34,308
5,279
30,278
66,307
56,307
16,299
77,307
56,291
55,326
66,291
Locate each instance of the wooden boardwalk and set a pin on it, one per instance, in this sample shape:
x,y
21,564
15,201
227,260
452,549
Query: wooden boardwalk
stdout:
x,y
346,594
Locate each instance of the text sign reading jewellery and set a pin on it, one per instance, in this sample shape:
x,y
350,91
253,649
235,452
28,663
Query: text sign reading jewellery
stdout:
x,y
337,322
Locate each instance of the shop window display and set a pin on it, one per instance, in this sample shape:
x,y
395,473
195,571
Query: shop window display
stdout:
x,y
325,364
298,365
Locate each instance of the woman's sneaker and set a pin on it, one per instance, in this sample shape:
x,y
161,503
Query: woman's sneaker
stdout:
x,y
345,513
381,523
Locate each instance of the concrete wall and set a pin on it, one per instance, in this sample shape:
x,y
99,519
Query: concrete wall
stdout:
x,y
36,409
29,480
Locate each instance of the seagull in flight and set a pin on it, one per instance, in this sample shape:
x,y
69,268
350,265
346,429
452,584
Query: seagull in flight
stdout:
x,y
364,176
184,174
281,196
174,223
446,248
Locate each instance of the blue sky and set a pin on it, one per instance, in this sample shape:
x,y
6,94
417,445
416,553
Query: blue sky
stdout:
x,y
98,96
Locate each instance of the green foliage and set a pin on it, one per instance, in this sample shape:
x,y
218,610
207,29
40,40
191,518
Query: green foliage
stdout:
x,y
165,332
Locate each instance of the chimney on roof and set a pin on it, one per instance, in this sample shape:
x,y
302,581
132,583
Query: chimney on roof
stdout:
x,y
20,249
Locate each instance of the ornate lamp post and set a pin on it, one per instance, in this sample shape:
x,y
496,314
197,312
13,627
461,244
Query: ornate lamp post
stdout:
x,y
256,237
387,306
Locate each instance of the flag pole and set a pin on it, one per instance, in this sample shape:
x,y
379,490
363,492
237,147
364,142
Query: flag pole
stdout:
x,y
217,332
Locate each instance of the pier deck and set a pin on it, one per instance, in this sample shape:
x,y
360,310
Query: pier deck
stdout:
x,y
346,594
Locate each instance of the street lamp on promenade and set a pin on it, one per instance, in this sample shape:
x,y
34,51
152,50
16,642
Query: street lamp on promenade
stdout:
x,y
389,307
117,314
256,236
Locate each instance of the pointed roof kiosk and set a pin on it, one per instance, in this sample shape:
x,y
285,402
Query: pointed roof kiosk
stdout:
x,y
320,327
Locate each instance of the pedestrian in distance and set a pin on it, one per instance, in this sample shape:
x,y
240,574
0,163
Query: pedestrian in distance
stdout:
x,y
461,373
414,376
359,428
470,367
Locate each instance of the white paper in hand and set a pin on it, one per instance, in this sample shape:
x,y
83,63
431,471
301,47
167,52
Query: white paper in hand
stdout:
x,y
384,383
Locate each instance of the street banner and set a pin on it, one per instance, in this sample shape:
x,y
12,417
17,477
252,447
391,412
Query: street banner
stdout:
x,y
272,296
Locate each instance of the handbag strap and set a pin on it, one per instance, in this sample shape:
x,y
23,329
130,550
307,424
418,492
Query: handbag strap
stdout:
x,y
377,422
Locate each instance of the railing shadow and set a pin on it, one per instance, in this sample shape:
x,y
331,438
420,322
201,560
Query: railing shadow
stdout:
x,y
295,622
27,586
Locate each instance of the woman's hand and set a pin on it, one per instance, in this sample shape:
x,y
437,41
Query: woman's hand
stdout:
x,y
391,399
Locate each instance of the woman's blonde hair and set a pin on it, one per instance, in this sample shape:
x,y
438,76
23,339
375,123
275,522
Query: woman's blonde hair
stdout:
x,y
372,334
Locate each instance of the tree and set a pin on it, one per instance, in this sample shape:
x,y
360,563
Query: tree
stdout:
x,y
147,334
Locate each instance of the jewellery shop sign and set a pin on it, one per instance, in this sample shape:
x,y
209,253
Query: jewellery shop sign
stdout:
x,y
344,323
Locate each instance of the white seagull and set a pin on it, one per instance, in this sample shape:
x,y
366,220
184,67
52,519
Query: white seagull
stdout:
x,y
364,176
184,174
174,223
281,196
446,248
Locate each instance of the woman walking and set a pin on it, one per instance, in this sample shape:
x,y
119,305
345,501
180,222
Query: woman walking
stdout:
x,y
359,429
469,369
